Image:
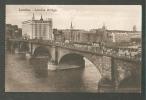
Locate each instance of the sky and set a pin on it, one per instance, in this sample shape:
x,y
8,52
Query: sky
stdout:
x,y
114,17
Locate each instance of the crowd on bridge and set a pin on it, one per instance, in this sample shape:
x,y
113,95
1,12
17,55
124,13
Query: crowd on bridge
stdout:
x,y
98,48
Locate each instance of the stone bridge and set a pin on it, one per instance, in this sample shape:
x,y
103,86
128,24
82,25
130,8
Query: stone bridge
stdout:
x,y
116,72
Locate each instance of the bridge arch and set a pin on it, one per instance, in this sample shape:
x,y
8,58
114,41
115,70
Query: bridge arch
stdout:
x,y
41,51
73,59
78,59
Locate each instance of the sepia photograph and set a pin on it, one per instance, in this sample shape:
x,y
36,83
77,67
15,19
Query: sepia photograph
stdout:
x,y
73,48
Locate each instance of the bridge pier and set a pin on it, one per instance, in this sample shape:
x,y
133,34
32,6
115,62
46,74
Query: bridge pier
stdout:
x,y
114,74
106,84
83,63
12,47
29,52
28,55
56,55
125,76
30,45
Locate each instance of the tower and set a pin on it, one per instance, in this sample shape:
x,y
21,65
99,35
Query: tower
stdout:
x,y
33,17
104,33
134,28
71,31
104,27
71,26
41,18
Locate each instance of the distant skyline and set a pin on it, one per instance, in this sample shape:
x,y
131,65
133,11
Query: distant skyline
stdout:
x,y
115,17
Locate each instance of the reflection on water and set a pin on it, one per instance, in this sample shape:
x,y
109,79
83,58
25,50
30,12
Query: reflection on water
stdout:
x,y
23,75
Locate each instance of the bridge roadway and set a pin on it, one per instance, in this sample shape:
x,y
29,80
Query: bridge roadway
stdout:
x,y
87,49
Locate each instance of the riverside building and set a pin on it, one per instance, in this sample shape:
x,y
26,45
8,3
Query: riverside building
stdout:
x,y
38,29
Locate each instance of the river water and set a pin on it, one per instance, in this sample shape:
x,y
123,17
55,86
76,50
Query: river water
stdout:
x,y
24,75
